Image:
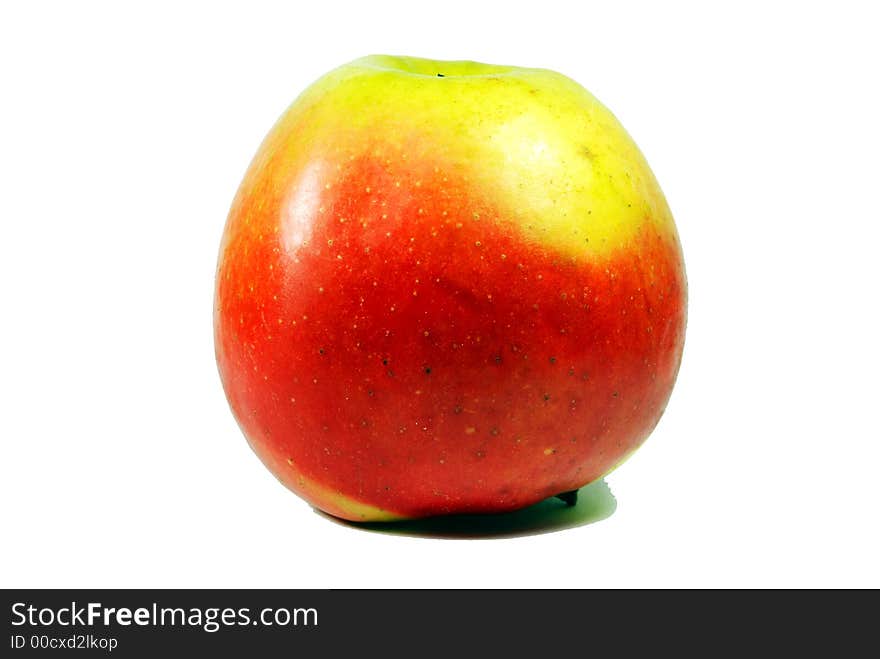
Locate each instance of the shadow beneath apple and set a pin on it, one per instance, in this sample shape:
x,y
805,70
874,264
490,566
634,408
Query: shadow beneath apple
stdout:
x,y
595,502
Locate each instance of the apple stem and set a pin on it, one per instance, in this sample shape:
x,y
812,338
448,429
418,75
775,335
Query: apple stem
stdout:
x,y
570,498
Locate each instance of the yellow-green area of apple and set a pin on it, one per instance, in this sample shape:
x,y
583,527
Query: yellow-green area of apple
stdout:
x,y
566,174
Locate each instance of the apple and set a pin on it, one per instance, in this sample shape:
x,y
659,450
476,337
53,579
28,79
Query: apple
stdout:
x,y
447,287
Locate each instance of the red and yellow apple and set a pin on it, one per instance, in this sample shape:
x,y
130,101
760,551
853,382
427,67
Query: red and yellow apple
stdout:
x,y
447,287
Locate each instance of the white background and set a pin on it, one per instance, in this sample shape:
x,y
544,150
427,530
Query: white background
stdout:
x,y
124,133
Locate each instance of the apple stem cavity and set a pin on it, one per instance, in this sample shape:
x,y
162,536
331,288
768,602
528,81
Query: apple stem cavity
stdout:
x,y
570,498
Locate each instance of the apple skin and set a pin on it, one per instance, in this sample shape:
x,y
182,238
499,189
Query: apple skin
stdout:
x,y
447,287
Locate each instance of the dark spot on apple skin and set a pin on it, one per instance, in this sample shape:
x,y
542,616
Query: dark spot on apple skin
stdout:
x,y
457,409
571,371
370,393
494,432
390,373
497,359
546,397
616,394
385,362
440,75
320,351
427,370
553,360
